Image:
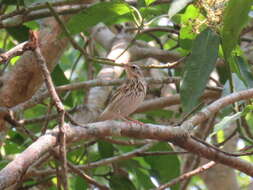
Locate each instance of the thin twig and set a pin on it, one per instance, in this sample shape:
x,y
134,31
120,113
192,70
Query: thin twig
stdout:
x,y
87,178
187,115
219,150
59,106
247,129
17,50
124,156
44,127
130,142
38,182
38,6
58,175
147,105
51,116
154,29
38,14
72,121
187,175
62,150
228,138
10,118
132,41
114,159
214,107
38,98
160,153
102,60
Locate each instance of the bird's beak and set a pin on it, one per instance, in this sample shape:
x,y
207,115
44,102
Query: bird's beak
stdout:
x,y
128,70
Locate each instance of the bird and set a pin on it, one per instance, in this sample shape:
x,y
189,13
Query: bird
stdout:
x,y
127,97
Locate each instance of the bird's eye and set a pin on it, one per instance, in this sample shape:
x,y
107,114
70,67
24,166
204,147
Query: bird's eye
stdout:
x,y
134,67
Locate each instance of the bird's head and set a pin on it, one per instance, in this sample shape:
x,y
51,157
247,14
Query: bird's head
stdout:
x,y
133,71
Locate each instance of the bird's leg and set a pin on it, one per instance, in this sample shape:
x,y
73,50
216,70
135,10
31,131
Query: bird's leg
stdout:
x,y
129,120
134,121
125,119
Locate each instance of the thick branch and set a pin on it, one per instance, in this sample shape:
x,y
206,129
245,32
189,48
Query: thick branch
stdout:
x,y
25,78
39,6
213,108
38,14
17,50
177,135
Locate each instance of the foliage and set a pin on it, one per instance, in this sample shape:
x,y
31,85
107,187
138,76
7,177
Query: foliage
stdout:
x,y
198,68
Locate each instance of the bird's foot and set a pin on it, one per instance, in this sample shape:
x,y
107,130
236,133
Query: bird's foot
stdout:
x,y
131,121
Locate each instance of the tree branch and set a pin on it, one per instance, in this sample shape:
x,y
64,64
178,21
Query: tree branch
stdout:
x,y
41,95
38,12
156,103
24,79
60,108
39,6
187,175
17,50
176,135
214,107
86,177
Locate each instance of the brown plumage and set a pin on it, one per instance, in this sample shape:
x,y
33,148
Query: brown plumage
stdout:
x,y
127,97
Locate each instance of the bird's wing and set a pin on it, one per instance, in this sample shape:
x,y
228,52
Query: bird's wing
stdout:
x,y
118,92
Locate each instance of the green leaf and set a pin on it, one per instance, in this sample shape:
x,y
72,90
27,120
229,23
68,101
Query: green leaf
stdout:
x,y
106,12
78,183
151,116
149,2
16,137
247,109
102,170
35,111
12,148
245,72
160,113
225,122
143,178
186,32
153,11
198,67
75,155
12,2
105,149
177,6
32,25
233,66
235,18
160,172
20,33
238,85
59,78
129,164
3,163
119,182
249,120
